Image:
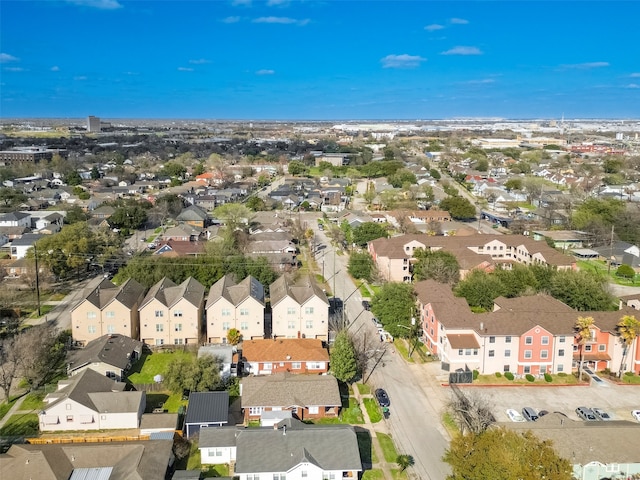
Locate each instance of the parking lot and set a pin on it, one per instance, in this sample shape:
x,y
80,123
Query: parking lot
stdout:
x,y
617,400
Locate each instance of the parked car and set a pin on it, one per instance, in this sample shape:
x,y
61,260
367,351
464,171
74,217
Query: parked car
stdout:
x,y
636,414
601,414
514,416
529,414
366,305
382,397
586,414
376,322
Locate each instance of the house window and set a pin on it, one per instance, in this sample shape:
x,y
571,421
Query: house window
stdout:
x,y
279,476
303,474
177,313
110,314
291,325
544,353
178,341
492,353
561,339
314,366
91,328
543,369
226,312
244,312
545,340
475,352
215,452
226,326
159,313
244,325
69,418
587,348
111,329
91,315
527,354
328,476
267,366
507,339
527,369
602,348
507,353
291,311
255,410
313,410
467,351
178,327
492,339
159,341
159,327
561,352
68,406
560,368
308,310
460,351
528,340
505,368
309,324
296,365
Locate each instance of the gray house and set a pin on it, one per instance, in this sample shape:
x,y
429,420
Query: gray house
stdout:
x,y
206,409
110,355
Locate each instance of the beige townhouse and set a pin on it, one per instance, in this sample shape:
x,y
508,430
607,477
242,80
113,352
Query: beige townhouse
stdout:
x,y
240,306
173,314
299,309
105,309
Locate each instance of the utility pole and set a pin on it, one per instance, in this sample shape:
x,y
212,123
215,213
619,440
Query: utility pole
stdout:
x,y
611,250
35,254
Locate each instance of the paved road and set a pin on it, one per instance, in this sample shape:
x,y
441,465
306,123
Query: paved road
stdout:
x,y
415,409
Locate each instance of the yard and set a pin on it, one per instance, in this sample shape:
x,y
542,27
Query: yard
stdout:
x,y
152,364
5,407
601,267
20,425
192,462
373,410
556,379
171,402
33,401
351,415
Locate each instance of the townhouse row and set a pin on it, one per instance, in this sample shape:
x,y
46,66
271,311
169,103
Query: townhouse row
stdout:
x,y
170,314
526,335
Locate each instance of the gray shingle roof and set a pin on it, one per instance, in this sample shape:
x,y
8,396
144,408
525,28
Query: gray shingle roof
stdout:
x,y
113,350
286,390
208,407
236,293
168,293
301,291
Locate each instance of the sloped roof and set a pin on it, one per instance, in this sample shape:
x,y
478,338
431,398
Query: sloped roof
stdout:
x,y
286,390
168,293
113,350
301,291
236,293
192,213
281,349
208,407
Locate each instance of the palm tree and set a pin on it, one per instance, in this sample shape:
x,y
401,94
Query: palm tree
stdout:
x,y
628,328
234,336
404,461
583,328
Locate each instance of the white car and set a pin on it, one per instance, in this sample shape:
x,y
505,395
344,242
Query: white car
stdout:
x,y
514,416
636,414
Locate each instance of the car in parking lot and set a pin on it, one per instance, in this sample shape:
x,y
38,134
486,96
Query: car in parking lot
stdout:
x,y
529,414
514,416
601,414
376,322
586,413
636,414
382,397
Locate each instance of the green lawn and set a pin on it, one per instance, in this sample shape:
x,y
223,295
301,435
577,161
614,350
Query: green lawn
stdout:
x,y
398,475
351,415
601,267
389,449
152,364
450,424
373,475
502,380
363,388
632,379
22,424
373,409
33,401
5,407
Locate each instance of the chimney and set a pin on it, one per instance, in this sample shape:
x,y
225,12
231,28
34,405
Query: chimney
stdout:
x,y
481,326
284,430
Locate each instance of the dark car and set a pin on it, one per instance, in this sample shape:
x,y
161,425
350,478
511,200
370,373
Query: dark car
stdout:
x,y
530,414
382,397
366,305
586,414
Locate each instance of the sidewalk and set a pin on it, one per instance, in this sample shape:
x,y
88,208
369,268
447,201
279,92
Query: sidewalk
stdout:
x,y
13,410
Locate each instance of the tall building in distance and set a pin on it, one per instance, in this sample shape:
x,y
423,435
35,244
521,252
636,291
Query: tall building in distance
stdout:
x,y
93,124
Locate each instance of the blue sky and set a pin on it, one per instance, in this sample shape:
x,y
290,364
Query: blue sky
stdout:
x,y
322,60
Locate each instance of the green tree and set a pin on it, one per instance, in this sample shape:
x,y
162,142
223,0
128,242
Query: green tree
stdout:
x,y
174,169
368,231
10,198
499,454
199,169
405,461
401,177
234,216
583,328
395,306
297,168
628,329
257,204
460,208
361,266
234,336
200,374
482,165
513,184
129,216
370,193
625,271
435,174
440,266
73,178
343,358
519,280
581,290
480,289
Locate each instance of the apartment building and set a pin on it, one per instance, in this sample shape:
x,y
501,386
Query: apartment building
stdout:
x,y
533,334
173,314
240,306
394,256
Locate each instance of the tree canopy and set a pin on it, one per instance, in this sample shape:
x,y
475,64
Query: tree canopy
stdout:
x,y
394,307
440,266
460,208
200,374
361,266
368,231
343,358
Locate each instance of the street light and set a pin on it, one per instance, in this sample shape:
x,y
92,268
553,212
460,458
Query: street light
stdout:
x,y
413,335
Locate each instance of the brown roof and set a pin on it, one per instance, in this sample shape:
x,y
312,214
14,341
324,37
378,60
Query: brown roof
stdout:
x,y
287,390
463,340
301,291
236,293
290,349
179,248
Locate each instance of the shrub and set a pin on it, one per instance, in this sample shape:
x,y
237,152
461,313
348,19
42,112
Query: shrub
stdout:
x,y
548,378
606,371
529,377
498,374
626,374
625,271
562,374
508,375
475,374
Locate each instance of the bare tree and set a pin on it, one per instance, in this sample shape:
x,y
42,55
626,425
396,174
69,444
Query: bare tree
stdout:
x,y
9,365
42,354
471,411
370,351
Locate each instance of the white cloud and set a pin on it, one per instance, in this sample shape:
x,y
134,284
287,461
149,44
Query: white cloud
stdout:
x,y
433,27
5,58
100,4
635,75
265,72
463,51
587,65
459,21
55,68
281,20
80,78
185,69
199,61
402,61
231,20
14,69
633,85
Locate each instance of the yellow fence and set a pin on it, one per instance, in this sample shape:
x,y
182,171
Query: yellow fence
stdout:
x,y
52,440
